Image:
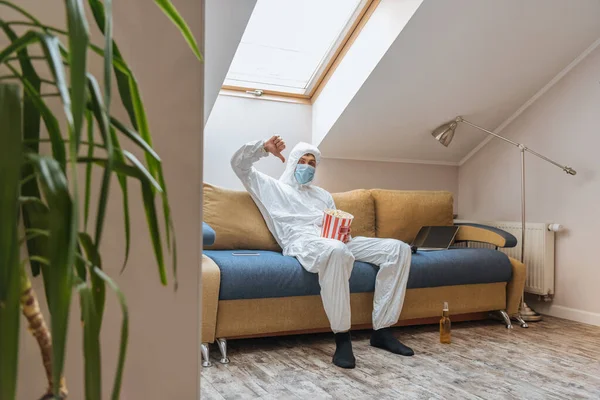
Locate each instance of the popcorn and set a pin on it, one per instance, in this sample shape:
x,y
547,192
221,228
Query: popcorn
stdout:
x,y
333,220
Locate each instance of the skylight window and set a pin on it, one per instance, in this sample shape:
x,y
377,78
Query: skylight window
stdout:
x,y
289,44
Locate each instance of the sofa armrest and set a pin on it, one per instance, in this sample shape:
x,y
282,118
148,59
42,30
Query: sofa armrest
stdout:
x,y
208,235
211,284
470,232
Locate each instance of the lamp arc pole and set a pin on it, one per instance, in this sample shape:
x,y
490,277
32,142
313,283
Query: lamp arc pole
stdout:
x,y
445,133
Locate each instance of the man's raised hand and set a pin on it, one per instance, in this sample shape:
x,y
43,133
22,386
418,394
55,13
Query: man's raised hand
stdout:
x,y
275,146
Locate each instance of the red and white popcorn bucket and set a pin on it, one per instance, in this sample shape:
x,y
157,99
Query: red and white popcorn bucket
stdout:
x,y
333,221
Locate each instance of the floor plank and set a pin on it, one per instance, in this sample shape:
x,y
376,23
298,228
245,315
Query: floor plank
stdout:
x,y
552,359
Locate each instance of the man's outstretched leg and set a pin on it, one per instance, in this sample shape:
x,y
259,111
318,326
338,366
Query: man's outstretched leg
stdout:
x,y
393,258
332,260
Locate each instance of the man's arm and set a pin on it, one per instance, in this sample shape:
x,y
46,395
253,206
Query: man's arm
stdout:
x,y
243,160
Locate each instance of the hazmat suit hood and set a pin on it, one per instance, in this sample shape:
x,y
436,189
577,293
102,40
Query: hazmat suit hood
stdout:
x,y
297,152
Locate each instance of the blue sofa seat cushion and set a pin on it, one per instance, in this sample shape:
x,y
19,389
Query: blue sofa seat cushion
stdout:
x,y
270,274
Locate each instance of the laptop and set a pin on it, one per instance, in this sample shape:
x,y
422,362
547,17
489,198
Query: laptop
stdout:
x,y
434,238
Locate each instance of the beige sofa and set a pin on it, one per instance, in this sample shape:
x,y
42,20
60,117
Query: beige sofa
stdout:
x,y
378,213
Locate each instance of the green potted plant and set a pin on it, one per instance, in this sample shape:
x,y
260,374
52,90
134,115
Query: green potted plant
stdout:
x,y
40,193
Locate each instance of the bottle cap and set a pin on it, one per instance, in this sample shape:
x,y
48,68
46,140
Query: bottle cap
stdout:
x,y
445,306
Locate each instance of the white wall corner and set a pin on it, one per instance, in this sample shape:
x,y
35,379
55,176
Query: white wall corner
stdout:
x,y
532,100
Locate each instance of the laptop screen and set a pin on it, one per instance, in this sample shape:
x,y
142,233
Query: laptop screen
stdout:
x,y
435,237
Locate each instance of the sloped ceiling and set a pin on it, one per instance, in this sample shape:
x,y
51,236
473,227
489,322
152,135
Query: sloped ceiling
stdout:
x,y
225,22
479,59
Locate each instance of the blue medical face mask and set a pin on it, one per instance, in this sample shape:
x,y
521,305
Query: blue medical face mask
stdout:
x,y
304,173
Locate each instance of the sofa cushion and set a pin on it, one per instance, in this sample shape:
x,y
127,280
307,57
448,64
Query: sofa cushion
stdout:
x,y
208,235
400,214
360,204
236,220
270,274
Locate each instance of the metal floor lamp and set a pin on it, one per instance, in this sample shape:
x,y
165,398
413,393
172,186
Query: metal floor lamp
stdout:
x,y
445,133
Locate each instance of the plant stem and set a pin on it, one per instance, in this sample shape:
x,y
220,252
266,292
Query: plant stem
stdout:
x,y
38,328
30,58
8,77
30,177
43,140
45,27
19,9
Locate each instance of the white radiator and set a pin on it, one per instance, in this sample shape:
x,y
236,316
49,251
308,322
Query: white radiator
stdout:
x,y
539,253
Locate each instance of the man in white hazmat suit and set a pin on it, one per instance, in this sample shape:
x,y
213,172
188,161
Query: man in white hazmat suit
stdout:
x,y
293,211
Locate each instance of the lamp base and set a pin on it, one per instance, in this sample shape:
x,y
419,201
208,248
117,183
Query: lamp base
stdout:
x,y
529,315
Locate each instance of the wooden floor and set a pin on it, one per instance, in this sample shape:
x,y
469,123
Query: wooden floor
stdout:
x,y
552,359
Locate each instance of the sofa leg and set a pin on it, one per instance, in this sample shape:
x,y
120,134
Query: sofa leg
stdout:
x,y
521,321
505,318
205,355
223,347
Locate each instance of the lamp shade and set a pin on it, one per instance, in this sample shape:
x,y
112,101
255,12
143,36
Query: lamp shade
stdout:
x,y
445,133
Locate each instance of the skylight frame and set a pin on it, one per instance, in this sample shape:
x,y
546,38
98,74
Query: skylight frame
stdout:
x,y
333,56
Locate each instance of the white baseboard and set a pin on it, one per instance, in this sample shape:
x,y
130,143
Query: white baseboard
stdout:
x,y
572,314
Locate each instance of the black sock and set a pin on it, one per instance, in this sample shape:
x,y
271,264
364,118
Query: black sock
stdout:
x,y
385,339
343,356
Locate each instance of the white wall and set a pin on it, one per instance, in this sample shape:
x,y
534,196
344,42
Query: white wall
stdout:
x,y
342,175
562,125
236,120
226,21
380,31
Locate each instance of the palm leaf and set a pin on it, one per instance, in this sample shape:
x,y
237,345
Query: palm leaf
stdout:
x,y
153,165
108,53
52,51
88,168
132,101
55,224
78,44
62,248
123,183
91,343
135,138
10,172
117,62
123,169
31,132
51,47
18,44
150,208
98,287
140,167
80,266
102,120
122,72
50,121
149,186
124,332
170,11
19,9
